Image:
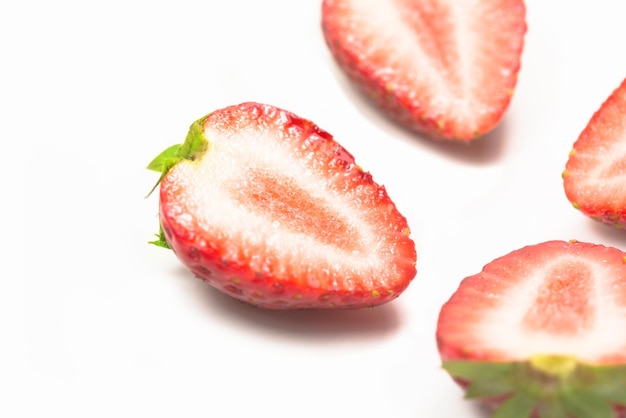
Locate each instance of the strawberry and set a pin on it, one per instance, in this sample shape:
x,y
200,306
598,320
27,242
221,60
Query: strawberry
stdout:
x,y
447,69
594,175
541,332
268,208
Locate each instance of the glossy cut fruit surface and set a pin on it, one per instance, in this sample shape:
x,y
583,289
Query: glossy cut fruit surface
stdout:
x,y
594,178
270,209
440,67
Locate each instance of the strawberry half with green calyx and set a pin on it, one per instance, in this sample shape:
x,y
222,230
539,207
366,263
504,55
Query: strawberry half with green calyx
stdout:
x,y
595,172
444,68
541,332
268,208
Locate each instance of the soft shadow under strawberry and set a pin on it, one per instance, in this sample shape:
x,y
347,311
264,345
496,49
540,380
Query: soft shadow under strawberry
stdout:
x,y
312,325
610,234
484,150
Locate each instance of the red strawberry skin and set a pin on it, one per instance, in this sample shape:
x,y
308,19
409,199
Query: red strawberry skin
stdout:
x,y
446,69
595,172
283,218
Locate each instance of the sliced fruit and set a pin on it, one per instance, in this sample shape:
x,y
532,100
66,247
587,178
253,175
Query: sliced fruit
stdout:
x,y
441,67
268,208
541,332
594,178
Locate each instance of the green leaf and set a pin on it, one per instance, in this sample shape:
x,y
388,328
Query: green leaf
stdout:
x,y
487,379
609,382
586,404
195,143
519,405
548,386
474,370
166,159
163,163
160,241
551,409
490,388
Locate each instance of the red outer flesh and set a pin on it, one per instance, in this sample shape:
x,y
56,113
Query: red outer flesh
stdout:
x,y
494,67
606,127
205,254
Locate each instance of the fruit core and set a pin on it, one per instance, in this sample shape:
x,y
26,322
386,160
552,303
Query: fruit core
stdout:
x,y
562,304
289,206
615,169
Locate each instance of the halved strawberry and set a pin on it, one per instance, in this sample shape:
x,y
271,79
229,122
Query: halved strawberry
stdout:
x,y
595,173
445,68
269,208
541,332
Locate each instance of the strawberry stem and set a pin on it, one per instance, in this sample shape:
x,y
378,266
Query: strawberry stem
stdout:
x,y
558,366
195,143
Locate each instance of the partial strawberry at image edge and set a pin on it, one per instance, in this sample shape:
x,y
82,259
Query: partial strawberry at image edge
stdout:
x,y
268,208
595,172
443,69
541,332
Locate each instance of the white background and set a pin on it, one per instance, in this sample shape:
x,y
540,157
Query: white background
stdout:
x,y
97,323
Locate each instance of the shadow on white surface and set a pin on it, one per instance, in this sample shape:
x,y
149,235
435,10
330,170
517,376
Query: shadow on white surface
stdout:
x,y
305,325
610,234
485,150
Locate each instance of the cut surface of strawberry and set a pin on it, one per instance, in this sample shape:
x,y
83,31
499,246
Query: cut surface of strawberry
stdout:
x,y
595,172
541,332
440,67
269,208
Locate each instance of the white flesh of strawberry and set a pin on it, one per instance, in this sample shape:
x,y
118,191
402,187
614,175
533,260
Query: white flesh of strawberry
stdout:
x,y
384,20
502,328
227,164
609,168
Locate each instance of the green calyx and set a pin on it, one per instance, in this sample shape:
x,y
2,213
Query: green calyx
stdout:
x,y
160,240
194,146
550,386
